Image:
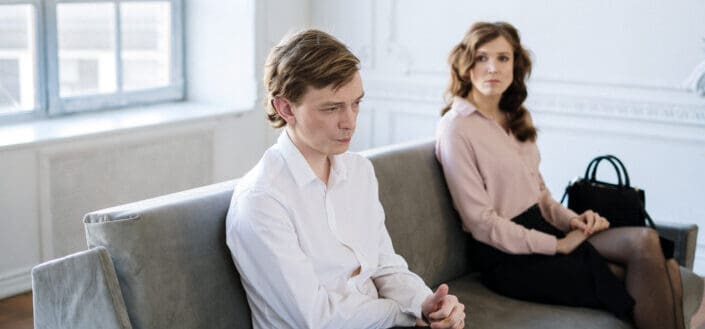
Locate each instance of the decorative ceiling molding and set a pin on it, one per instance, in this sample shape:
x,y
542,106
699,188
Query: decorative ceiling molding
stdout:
x,y
624,109
662,111
367,50
696,81
398,54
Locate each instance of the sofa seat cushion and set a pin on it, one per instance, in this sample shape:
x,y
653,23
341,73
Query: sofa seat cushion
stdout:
x,y
486,309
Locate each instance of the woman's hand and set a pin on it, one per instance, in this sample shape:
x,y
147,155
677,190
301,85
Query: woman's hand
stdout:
x,y
571,241
589,222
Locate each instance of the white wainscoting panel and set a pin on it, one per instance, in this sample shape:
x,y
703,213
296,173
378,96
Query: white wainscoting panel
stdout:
x,y
78,179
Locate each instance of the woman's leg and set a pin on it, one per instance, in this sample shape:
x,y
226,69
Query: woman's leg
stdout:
x,y
674,274
639,251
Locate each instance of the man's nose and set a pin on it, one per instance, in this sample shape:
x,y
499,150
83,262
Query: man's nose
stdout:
x,y
349,118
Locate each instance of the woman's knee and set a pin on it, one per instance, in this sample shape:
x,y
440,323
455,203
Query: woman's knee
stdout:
x,y
646,242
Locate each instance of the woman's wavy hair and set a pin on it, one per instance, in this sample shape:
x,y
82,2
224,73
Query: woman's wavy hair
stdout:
x,y
308,58
462,59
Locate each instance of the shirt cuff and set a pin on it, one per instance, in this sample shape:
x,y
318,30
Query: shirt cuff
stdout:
x,y
405,320
401,318
418,302
544,244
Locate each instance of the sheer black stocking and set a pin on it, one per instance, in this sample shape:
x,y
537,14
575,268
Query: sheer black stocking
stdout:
x,y
653,282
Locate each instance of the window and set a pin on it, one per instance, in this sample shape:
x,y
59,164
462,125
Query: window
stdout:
x,y
18,76
65,56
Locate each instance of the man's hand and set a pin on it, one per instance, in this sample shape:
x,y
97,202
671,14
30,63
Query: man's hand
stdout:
x,y
589,222
444,310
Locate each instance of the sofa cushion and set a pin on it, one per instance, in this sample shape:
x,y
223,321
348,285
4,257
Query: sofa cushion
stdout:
x,y
424,227
170,256
486,309
63,289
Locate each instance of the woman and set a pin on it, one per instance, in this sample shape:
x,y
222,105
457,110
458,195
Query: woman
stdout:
x,y
528,245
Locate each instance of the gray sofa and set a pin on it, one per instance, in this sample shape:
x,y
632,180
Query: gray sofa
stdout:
x,y
163,262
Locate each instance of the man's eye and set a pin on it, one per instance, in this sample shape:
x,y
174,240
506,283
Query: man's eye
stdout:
x,y
330,109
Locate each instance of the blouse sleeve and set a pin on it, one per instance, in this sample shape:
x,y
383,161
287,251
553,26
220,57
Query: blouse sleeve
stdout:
x,y
471,200
554,212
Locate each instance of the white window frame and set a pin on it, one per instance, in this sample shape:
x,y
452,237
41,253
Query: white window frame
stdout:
x,y
48,101
40,68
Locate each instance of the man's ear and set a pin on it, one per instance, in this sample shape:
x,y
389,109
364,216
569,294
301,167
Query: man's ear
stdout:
x,y
284,109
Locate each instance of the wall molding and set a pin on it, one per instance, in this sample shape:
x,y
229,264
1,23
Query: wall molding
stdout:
x,y
368,49
587,104
624,109
696,80
15,282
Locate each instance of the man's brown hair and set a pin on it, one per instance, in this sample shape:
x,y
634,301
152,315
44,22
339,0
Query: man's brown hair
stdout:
x,y
308,58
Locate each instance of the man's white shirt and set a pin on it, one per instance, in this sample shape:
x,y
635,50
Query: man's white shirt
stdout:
x,y
297,244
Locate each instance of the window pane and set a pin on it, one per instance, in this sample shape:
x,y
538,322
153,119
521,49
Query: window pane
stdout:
x,y
17,58
146,46
86,36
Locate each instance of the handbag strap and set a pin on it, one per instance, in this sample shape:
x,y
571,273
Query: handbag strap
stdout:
x,y
590,165
624,169
592,168
567,188
610,159
591,172
649,221
593,164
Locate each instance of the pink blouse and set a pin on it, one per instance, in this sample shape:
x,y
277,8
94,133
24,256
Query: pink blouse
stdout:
x,y
493,177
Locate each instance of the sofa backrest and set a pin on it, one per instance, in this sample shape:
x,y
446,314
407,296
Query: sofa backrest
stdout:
x,y
170,257
420,218
175,270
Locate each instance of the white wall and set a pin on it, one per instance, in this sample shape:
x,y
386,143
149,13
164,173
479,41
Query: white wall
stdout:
x,y
46,187
609,77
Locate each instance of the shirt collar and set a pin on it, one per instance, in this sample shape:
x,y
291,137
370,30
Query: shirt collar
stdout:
x,y
300,169
338,170
462,106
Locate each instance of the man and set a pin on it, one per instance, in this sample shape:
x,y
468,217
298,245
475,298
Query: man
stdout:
x,y
305,225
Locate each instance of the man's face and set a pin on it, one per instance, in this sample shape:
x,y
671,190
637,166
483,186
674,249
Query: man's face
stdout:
x,y
324,119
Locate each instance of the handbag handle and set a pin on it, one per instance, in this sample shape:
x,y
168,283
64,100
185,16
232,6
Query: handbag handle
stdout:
x,y
615,163
595,163
624,169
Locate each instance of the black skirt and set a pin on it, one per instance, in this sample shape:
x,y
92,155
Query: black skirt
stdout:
x,y
581,278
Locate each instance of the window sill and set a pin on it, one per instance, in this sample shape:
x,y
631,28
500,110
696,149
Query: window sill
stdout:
x,y
61,129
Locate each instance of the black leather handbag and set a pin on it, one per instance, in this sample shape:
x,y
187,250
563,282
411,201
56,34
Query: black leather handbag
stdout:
x,y
621,203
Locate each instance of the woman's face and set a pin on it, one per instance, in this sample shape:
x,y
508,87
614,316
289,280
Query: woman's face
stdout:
x,y
493,71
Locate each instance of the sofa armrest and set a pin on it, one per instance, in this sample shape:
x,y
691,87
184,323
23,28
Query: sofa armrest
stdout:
x,y
685,237
78,291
